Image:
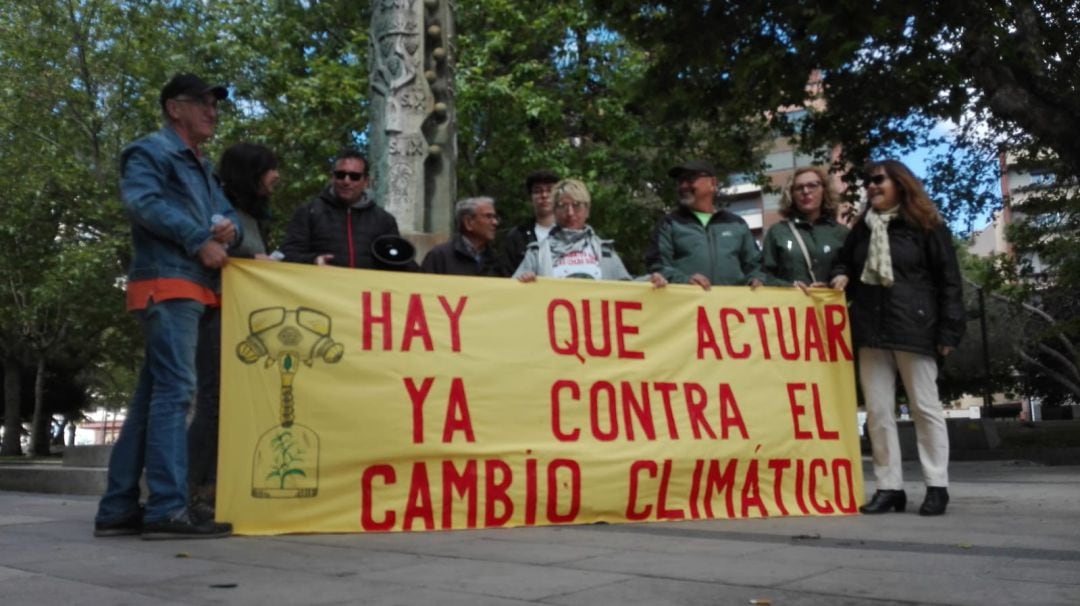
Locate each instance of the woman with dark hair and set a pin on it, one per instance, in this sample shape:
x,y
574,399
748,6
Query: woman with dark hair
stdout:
x,y
248,173
903,281
800,250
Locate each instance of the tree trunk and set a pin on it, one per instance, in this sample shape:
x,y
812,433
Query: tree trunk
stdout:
x,y
39,430
1060,378
12,419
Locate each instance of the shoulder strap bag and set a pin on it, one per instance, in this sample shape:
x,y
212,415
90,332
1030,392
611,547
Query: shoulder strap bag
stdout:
x,y
802,247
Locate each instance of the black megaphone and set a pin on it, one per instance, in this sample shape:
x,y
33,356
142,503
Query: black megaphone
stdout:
x,y
392,252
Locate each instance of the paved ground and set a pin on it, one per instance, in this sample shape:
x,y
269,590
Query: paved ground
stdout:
x,y
1012,536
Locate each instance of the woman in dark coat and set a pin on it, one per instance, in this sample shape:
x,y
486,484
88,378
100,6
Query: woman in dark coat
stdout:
x,y
903,281
248,173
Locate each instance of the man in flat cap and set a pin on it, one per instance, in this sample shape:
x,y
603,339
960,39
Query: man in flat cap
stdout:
x,y
698,244
181,227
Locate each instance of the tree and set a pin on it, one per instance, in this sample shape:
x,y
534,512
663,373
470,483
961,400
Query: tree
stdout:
x,y
536,85
88,72
542,86
879,64
298,78
882,76
610,91
550,85
1029,349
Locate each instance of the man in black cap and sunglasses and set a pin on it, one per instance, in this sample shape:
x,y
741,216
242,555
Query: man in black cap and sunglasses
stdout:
x,y
181,227
338,226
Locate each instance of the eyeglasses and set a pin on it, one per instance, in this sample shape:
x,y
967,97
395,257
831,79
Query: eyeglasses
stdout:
x,y
576,205
342,174
877,179
807,187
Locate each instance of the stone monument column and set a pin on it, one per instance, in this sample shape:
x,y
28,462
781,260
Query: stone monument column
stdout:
x,y
413,142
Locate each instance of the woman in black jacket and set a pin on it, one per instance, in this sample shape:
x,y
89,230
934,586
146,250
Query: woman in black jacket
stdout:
x,y
900,271
248,173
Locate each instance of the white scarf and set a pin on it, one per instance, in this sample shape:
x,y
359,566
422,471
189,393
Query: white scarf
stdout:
x,y
878,268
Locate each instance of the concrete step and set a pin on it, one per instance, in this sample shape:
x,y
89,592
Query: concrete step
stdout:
x,y
84,470
87,456
50,478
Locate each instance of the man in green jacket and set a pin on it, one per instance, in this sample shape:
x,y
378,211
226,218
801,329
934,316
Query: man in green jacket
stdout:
x,y
698,244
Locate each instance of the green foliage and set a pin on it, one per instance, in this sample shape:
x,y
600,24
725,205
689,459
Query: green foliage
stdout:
x,y
1038,281
534,91
298,75
888,71
610,91
81,79
286,455
550,85
1047,235
882,76
1030,345
977,368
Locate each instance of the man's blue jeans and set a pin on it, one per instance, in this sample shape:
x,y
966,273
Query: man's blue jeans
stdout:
x,y
154,434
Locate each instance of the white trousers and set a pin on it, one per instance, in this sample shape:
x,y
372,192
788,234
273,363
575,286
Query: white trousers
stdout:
x,y
877,376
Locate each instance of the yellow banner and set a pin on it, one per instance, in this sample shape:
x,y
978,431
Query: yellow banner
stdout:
x,y
358,401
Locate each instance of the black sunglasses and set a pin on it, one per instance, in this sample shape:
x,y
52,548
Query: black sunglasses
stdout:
x,y
341,174
876,179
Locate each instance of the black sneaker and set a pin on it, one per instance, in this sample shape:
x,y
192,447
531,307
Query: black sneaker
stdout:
x,y
182,527
127,526
201,511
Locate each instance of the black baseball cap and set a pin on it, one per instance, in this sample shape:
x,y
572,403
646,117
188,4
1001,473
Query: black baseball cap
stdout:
x,y
540,176
191,85
692,166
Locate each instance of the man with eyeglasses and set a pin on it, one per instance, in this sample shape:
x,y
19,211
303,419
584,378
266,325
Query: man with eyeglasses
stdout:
x,y
182,225
538,186
469,252
698,244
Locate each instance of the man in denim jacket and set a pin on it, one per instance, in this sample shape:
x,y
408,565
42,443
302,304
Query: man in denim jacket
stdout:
x,y
181,227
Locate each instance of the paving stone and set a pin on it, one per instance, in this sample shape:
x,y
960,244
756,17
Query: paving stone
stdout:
x,y
667,592
718,567
944,587
1010,537
520,581
42,590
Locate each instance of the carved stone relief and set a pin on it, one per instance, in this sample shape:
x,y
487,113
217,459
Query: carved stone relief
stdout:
x,y
412,132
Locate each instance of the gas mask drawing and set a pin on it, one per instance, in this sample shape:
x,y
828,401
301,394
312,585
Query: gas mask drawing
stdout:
x,y
286,460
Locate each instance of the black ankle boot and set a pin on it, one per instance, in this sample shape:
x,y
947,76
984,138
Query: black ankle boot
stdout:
x,y
937,497
884,500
